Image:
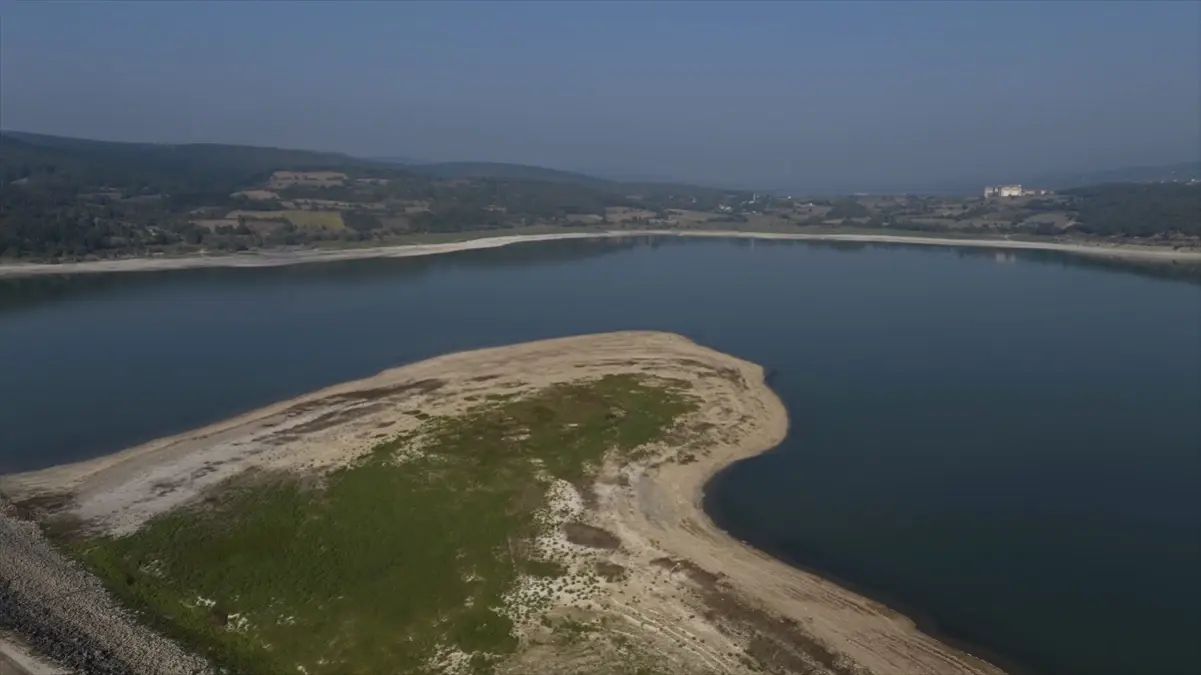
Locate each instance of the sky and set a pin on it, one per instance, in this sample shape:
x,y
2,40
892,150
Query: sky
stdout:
x,y
778,95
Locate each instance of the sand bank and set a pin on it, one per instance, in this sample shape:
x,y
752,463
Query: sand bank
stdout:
x,y
690,592
270,258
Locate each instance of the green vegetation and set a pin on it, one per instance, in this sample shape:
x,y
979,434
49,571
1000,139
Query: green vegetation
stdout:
x,y
1138,209
1163,211
479,170
379,566
64,198
847,208
1162,173
305,220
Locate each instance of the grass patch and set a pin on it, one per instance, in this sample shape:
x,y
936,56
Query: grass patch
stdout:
x,y
304,220
592,537
380,565
545,568
315,220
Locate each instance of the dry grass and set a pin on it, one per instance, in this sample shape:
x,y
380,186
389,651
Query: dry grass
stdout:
x,y
690,217
590,218
622,214
212,224
282,179
257,195
304,220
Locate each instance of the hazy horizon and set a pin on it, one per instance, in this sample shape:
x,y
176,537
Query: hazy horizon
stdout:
x,y
794,96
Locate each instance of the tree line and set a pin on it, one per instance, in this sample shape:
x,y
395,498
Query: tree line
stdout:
x,y
1138,209
63,198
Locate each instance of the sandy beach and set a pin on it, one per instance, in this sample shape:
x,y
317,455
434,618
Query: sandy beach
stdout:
x,y
692,593
277,258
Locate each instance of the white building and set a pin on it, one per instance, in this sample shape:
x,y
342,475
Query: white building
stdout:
x,y
1002,191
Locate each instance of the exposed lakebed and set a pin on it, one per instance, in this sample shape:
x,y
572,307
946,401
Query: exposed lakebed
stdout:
x,y
1007,445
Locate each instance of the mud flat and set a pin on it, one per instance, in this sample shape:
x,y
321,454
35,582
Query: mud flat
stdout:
x,y
642,578
269,258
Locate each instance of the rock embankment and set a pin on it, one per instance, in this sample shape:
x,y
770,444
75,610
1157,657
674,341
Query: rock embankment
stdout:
x,y
18,659
65,615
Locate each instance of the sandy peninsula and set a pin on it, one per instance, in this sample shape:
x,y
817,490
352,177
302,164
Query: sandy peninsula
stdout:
x,y
691,593
269,258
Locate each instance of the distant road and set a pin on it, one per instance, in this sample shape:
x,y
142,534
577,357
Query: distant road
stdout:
x,y
270,258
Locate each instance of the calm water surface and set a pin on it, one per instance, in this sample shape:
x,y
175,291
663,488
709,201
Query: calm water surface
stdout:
x,y
1007,447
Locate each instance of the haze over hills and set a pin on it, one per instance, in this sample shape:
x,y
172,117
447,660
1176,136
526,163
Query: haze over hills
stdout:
x,y
494,169
897,99
468,170
65,198
243,162
514,171
68,197
194,156
1181,171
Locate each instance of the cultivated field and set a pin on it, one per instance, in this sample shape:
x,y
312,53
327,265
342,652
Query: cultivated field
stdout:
x,y
284,179
302,219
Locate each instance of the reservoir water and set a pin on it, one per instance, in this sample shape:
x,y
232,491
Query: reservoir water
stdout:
x,y
1007,446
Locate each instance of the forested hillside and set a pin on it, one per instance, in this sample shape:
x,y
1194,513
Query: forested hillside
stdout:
x,y
1138,209
58,163
64,198
705,197
1150,212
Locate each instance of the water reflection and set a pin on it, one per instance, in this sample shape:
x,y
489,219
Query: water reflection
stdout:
x,y
1174,269
34,291
993,446
38,290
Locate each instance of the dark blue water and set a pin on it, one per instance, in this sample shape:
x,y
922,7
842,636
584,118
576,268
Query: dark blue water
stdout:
x,y
1008,448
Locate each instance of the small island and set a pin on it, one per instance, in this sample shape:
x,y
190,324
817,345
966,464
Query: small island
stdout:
x,y
534,508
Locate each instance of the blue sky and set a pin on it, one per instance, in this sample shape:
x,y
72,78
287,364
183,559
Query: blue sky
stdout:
x,y
790,95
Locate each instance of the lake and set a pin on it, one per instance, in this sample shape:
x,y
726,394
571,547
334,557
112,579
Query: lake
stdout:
x,y
1006,445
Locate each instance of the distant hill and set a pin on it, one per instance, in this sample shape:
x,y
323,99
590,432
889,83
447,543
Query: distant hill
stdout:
x,y
499,170
72,198
1064,180
507,171
972,187
401,160
1181,172
207,152
1140,209
526,172
40,157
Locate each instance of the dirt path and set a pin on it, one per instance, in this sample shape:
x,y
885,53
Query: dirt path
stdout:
x,y
687,591
279,258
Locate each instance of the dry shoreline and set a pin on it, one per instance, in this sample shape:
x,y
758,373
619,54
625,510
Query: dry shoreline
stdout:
x,y
279,258
18,659
654,506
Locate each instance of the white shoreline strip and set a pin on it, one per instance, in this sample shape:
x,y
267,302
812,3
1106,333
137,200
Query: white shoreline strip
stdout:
x,y
279,258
